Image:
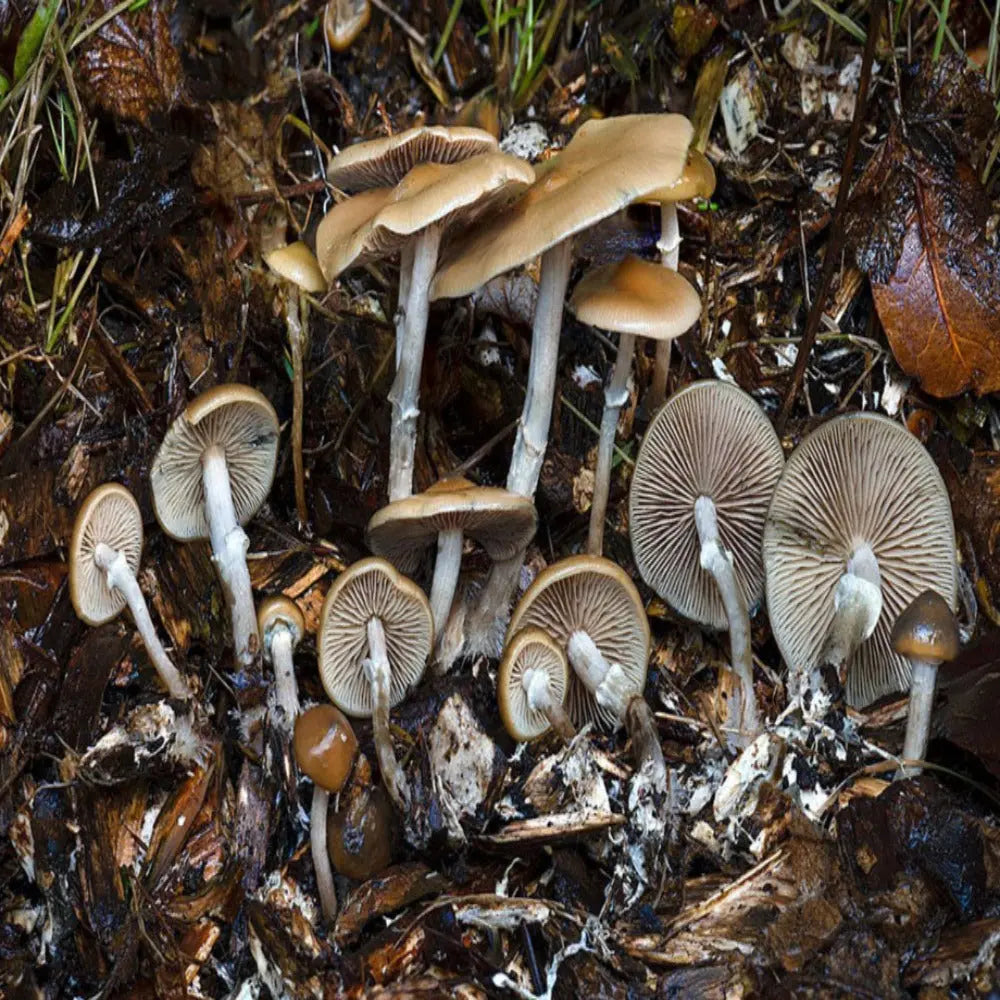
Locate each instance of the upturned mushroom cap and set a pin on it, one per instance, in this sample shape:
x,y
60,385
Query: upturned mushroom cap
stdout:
x,y
710,439
325,746
592,595
243,424
385,162
638,297
110,515
297,263
607,165
372,588
530,650
859,479
927,630
279,612
697,181
503,523
344,20
338,226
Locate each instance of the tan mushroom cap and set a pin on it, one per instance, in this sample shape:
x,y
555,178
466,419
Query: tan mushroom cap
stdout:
x,y
431,193
859,479
927,630
372,588
111,515
697,181
607,165
638,297
503,523
593,595
242,422
340,224
530,649
344,20
710,439
385,162
297,264
325,746
279,611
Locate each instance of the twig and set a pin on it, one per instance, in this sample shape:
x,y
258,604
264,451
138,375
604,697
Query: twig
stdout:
x,y
405,25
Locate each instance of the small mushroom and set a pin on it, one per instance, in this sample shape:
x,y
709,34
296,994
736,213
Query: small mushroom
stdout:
x,y
104,555
375,634
325,748
632,298
297,263
211,474
926,633
531,687
360,833
451,510
703,480
344,20
282,627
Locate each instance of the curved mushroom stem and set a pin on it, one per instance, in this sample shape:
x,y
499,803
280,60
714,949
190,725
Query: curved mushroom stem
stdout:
x,y
121,578
285,688
405,392
669,245
717,561
446,569
857,602
297,325
229,553
615,397
380,677
539,694
918,719
321,855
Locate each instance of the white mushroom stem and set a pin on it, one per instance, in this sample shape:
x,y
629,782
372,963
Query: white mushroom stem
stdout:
x,y
405,272
405,392
380,677
718,561
446,570
918,719
615,397
297,325
669,245
119,577
286,692
321,854
857,602
229,553
538,691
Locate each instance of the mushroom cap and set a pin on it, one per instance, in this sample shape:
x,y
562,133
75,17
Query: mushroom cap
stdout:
x,y
593,595
337,228
325,746
372,588
238,420
431,193
710,439
859,479
927,630
503,523
360,837
344,20
385,162
697,181
110,515
607,165
279,612
638,297
297,263
531,649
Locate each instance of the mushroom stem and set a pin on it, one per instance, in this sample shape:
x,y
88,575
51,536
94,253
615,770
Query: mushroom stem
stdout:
x,y
320,853
615,397
229,553
285,687
297,324
446,569
718,561
539,694
645,738
380,677
121,578
405,273
669,245
405,392
918,719
857,602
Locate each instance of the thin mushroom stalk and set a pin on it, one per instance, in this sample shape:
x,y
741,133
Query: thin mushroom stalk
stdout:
x,y
538,690
320,853
380,677
918,719
405,274
669,245
857,607
286,689
297,324
447,566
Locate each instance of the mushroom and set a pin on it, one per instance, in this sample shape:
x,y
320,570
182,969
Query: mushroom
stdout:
x,y
451,510
297,263
606,166
360,833
700,490
343,22
531,687
416,214
632,298
282,627
375,634
209,477
325,748
104,555
926,633
859,525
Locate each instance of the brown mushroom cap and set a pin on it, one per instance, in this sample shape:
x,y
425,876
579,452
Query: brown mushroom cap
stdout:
x,y
372,588
338,226
592,595
297,263
638,297
385,162
344,20
697,181
279,611
607,165
110,515
360,834
530,649
237,419
325,746
503,523
710,439
927,630
858,479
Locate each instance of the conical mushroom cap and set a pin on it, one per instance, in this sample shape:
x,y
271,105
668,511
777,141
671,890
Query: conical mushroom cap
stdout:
x,y
927,630
858,479
710,439
241,422
370,589
297,263
110,515
593,595
530,650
